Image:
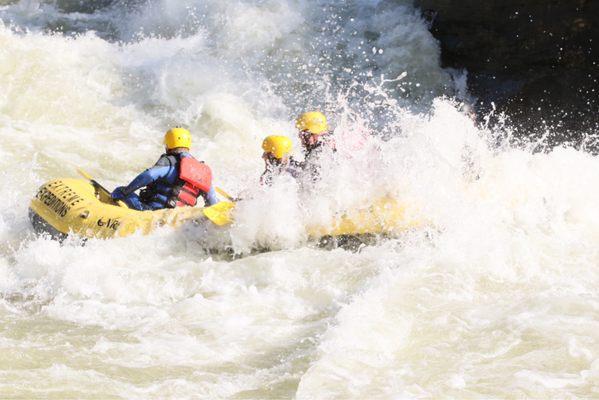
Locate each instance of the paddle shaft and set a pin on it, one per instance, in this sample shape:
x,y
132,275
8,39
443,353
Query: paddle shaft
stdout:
x,y
98,186
226,195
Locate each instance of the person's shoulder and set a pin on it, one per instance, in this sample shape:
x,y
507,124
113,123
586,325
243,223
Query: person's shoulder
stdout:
x,y
166,160
186,154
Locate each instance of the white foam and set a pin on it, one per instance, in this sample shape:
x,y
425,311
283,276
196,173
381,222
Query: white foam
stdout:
x,y
496,297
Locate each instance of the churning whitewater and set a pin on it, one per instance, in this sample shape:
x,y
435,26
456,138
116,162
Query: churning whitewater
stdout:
x,y
494,296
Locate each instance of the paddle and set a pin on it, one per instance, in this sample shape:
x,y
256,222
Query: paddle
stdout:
x,y
220,213
97,186
226,195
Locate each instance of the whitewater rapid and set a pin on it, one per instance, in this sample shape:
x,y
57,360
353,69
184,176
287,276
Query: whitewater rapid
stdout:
x,y
494,297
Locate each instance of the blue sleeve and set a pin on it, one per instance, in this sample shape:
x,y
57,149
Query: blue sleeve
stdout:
x,y
210,197
145,178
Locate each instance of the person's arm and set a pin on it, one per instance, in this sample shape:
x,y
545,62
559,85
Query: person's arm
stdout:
x,y
210,197
145,178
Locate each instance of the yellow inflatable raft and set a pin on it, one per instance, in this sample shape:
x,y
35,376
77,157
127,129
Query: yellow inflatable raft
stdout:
x,y
385,217
79,206
85,208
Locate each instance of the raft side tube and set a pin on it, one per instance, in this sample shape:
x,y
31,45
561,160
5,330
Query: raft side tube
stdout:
x,y
41,227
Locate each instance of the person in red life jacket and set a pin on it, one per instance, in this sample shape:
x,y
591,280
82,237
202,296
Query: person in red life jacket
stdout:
x,y
315,137
277,159
176,180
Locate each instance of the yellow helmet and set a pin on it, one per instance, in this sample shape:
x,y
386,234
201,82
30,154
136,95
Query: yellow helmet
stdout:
x,y
313,121
277,146
177,137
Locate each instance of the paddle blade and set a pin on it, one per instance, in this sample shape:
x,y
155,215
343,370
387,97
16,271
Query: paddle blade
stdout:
x,y
220,213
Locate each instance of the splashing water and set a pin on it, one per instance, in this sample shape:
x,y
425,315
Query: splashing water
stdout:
x,y
498,299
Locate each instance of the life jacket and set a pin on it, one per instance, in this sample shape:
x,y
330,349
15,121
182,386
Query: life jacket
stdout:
x,y
195,178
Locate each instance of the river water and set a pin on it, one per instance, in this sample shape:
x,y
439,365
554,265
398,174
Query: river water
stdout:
x,y
495,296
